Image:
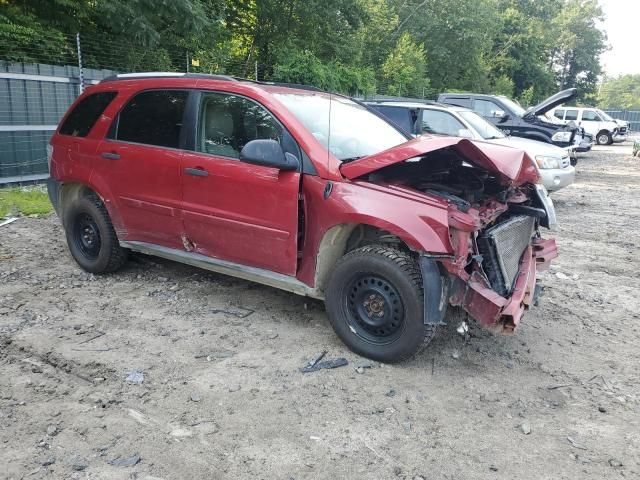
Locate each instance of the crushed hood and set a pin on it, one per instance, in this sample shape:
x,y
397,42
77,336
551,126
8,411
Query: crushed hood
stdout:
x,y
513,165
552,102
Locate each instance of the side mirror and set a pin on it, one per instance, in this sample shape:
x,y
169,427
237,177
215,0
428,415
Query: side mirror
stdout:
x,y
268,153
502,115
465,133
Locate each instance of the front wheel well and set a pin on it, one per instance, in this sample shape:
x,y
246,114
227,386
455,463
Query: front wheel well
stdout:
x,y
344,238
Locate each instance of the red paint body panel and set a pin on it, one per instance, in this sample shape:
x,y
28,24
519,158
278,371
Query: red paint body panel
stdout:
x,y
514,165
421,224
240,212
250,214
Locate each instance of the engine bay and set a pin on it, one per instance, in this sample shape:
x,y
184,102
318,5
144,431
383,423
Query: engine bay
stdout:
x,y
446,174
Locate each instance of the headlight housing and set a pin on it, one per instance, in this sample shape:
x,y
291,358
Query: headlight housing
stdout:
x,y
561,137
546,162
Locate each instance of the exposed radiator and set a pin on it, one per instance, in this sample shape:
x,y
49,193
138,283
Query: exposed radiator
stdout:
x,y
501,247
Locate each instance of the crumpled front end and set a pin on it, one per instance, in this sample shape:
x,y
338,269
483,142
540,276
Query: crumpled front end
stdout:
x,y
495,207
498,252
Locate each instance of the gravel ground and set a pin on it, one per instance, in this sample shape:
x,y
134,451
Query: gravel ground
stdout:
x,y
223,397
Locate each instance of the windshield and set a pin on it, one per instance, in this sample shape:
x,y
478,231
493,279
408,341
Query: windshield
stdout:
x,y
480,125
604,115
513,106
348,130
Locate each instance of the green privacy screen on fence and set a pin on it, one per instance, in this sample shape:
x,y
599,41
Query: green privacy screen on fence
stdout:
x,y
33,98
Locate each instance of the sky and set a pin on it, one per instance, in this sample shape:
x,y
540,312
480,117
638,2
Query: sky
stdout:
x,y
621,24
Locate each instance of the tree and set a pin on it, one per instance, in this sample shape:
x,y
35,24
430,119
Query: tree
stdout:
x,y
404,72
576,58
621,92
457,36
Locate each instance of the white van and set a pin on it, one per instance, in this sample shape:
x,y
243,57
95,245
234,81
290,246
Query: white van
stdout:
x,y
604,129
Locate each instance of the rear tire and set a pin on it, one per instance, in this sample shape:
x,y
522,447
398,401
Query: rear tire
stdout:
x,y
604,138
375,301
91,238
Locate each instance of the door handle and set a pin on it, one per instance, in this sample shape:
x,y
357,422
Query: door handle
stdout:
x,y
197,172
110,155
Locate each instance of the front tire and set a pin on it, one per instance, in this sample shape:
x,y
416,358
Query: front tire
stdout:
x,y
375,301
604,138
91,238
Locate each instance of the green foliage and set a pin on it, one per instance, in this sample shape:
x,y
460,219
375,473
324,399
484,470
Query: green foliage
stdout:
x,y
621,92
526,97
302,66
404,70
523,48
16,201
503,85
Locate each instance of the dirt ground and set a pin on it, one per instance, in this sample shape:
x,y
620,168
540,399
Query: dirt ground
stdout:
x,y
223,396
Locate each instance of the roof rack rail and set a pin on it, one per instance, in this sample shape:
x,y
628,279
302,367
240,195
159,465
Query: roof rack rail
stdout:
x,y
229,78
142,75
293,85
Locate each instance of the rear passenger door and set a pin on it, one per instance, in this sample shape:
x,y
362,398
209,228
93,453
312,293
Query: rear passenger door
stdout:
x,y
235,211
139,161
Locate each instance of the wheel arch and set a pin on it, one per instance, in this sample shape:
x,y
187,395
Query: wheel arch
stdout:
x,y
71,191
342,238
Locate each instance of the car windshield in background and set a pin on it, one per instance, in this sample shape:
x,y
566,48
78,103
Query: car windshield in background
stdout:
x,y
515,107
606,116
347,129
480,125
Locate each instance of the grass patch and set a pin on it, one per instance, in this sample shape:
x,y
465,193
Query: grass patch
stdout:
x,y
20,201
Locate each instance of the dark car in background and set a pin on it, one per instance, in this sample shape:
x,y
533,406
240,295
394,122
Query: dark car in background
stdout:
x,y
532,123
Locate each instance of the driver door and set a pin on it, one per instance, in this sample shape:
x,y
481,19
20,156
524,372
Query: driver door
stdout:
x,y
236,211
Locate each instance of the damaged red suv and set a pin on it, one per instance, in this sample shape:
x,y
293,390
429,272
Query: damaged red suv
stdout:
x,y
305,191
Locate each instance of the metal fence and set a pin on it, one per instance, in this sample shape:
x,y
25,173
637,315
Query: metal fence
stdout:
x,y
631,116
33,98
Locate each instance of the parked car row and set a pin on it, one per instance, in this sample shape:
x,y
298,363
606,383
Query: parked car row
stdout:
x,y
314,193
532,123
553,163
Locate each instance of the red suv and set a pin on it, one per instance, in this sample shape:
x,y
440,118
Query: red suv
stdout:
x,y
305,191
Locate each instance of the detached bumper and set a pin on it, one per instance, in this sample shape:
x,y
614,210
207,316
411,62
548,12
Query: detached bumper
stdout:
x,y
619,137
503,314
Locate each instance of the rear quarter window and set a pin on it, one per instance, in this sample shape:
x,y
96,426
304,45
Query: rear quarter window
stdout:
x,y
86,113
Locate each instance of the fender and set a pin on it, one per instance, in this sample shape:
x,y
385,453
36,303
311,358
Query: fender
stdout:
x,y
419,221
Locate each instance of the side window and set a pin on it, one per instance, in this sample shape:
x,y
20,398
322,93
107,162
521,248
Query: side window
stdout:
x,y
153,117
486,108
590,115
405,118
82,118
228,122
571,115
559,114
443,123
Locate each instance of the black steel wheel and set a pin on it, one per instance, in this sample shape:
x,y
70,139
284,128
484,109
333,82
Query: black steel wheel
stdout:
x,y
374,300
91,238
86,235
375,308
